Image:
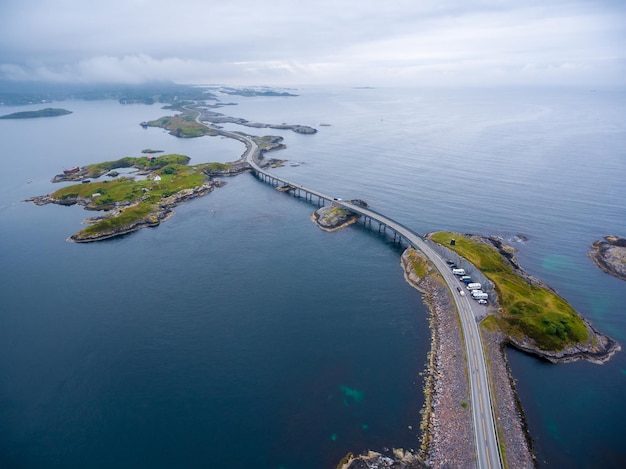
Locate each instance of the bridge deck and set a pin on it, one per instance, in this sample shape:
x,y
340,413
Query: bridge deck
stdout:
x,y
485,437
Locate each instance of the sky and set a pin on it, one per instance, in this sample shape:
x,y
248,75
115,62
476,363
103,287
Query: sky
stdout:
x,y
293,42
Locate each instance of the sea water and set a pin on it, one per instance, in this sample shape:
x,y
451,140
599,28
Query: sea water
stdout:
x,y
239,334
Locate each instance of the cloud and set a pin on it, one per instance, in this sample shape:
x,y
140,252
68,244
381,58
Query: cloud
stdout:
x,y
284,42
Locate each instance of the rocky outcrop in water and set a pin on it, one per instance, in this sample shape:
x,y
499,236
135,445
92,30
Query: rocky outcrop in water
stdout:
x,y
398,459
218,118
333,217
609,254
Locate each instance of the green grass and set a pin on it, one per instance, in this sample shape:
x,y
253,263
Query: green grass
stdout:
x,y
418,264
126,218
214,167
529,310
337,211
142,162
182,125
144,196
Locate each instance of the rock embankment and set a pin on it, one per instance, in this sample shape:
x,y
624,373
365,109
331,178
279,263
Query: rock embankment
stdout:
x,y
398,459
447,423
447,439
512,430
609,254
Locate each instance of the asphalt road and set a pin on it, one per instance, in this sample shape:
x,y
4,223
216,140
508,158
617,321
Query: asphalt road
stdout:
x,y
485,439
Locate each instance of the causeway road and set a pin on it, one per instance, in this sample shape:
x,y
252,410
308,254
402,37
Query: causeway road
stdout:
x,y
485,438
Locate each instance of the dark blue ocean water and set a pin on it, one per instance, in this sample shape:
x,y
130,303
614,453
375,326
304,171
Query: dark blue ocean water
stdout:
x,y
238,334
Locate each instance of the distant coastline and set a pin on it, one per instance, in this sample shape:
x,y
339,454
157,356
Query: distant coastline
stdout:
x,y
47,112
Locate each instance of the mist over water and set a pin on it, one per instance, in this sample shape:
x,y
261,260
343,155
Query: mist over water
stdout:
x,y
238,333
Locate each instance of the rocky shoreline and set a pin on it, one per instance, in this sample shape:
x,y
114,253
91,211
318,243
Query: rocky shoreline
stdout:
x,y
447,425
397,459
510,420
447,437
163,212
609,254
219,118
334,217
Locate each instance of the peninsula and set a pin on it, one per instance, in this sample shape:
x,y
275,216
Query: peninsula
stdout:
x,y
47,112
527,315
532,316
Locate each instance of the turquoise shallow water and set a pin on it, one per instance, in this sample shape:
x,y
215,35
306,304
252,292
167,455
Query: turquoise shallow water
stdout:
x,y
239,328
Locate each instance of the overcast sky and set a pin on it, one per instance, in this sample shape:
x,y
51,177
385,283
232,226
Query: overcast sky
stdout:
x,y
293,42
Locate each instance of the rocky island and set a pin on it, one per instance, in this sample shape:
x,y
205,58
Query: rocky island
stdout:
x,y
609,254
47,112
218,118
131,204
252,92
333,218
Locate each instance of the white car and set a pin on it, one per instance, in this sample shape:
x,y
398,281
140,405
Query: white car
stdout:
x,y
482,302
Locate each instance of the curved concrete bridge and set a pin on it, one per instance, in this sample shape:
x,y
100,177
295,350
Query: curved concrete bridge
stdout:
x,y
485,437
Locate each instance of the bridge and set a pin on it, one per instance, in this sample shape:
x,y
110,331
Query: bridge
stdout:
x,y
485,436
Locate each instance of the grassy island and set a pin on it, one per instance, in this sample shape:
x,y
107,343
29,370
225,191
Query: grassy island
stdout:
x,y
182,125
132,204
527,309
47,112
